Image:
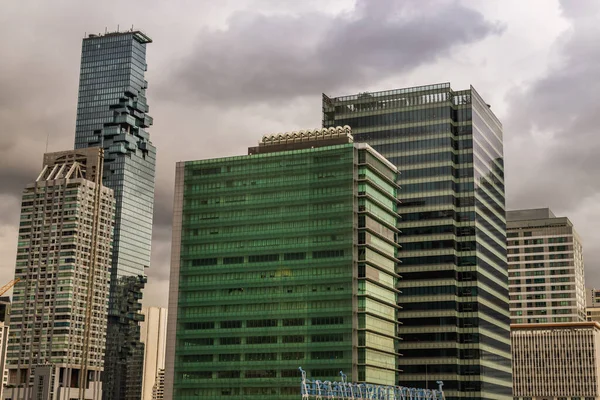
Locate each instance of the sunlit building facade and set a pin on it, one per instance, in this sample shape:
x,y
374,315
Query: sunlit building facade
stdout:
x,y
454,312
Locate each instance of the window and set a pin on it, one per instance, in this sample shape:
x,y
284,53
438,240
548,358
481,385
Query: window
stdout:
x,y
293,322
263,258
229,357
326,355
292,356
328,254
231,324
261,339
260,357
263,373
231,341
293,339
328,321
261,323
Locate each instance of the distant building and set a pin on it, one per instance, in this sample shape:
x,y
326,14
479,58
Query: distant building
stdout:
x,y
59,310
154,337
112,113
158,390
4,334
592,304
592,314
546,272
592,297
559,361
283,258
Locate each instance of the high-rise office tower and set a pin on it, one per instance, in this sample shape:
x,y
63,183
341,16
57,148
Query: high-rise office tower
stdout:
x,y
59,310
111,113
455,314
154,337
545,263
282,258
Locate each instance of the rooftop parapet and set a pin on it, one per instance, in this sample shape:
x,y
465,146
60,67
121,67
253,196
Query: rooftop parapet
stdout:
x,y
303,139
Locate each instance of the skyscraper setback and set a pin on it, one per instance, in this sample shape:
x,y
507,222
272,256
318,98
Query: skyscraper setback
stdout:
x,y
112,114
58,321
455,315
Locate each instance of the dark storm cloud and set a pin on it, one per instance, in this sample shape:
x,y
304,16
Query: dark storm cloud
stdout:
x,y
278,57
555,118
560,112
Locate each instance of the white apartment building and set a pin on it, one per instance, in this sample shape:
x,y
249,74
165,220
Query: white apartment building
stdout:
x,y
592,304
59,311
4,329
546,270
556,361
158,390
154,336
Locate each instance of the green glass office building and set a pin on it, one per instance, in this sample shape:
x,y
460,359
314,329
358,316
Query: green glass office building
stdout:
x,y
283,258
112,114
454,303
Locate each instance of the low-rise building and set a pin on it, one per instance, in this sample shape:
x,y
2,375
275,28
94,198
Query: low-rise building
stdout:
x,y
558,361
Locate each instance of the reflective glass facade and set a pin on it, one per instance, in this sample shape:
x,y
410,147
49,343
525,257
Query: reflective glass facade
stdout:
x,y
455,314
111,113
286,259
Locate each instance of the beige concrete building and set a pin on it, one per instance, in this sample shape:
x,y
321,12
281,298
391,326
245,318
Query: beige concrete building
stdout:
x,y
154,337
556,361
546,270
158,390
593,314
592,302
59,311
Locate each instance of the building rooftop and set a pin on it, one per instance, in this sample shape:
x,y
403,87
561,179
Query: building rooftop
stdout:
x,y
587,324
303,140
529,214
137,34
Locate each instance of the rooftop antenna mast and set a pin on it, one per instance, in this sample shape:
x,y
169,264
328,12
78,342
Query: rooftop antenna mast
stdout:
x,y
47,140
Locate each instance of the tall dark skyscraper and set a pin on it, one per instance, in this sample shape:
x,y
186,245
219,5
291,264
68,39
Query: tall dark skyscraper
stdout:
x,y
111,113
455,312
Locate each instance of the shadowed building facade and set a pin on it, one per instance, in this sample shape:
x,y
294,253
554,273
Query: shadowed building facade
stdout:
x,y
112,114
454,289
282,258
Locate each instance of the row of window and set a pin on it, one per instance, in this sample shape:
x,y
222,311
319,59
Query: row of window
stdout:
x,y
229,341
314,355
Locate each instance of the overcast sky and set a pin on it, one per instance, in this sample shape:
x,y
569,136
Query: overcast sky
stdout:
x,y
223,73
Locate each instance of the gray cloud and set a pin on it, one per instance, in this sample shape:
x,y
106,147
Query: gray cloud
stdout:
x,y
556,115
240,68
260,58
